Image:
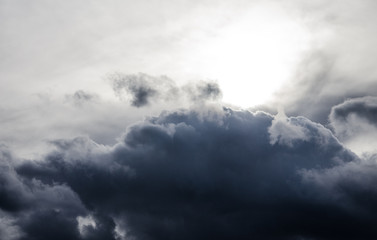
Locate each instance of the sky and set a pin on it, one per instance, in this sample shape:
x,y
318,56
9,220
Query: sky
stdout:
x,y
148,120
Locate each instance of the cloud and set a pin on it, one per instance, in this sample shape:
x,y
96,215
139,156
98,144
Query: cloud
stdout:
x,y
333,69
286,130
211,174
141,87
354,122
351,184
143,90
81,97
365,107
48,116
198,173
203,91
31,209
8,229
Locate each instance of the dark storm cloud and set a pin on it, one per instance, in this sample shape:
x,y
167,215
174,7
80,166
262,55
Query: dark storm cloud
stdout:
x,y
35,210
12,196
32,210
209,175
145,89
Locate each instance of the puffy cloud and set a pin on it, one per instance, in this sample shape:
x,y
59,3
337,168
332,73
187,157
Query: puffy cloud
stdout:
x,y
189,174
31,209
204,175
354,122
285,130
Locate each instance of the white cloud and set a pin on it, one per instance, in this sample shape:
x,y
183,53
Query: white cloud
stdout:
x,y
83,222
286,130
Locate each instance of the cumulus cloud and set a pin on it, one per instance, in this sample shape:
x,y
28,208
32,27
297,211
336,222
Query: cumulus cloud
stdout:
x,y
285,130
201,173
34,210
187,174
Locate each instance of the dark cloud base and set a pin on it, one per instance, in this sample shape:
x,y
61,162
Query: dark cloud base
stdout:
x,y
186,174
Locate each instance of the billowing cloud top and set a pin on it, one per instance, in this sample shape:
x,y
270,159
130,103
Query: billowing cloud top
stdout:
x,y
87,154
210,174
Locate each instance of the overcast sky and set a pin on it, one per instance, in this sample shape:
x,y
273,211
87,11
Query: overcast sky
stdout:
x,y
191,119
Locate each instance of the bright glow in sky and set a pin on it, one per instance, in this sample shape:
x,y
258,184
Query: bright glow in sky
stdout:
x,y
252,56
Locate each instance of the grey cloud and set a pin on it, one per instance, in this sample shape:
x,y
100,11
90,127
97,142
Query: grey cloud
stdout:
x,y
186,175
8,229
144,89
33,210
317,86
340,63
141,87
365,107
286,131
202,91
81,97
354,122
26,129
203,174
353,183
306,89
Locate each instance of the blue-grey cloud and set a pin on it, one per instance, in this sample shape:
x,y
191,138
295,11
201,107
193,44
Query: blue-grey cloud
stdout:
x,y
205,175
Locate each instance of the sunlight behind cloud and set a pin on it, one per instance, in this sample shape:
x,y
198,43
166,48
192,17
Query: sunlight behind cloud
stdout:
x,y
253,55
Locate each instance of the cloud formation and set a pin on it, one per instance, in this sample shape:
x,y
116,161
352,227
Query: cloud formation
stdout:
x,y
365,107
81,97
199,173
354,123
142,89
334,68
204,175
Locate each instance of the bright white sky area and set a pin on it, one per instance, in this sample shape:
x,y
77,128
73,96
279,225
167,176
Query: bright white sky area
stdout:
x,y
250,48
301,56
